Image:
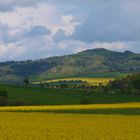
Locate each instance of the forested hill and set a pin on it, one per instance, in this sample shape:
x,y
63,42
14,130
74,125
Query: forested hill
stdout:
x,y
83,63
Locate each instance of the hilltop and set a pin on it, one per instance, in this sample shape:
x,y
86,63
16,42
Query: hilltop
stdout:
x,y
84,63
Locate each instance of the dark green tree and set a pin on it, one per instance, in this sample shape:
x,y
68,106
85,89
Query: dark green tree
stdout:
x,y
136,84
3,98
26,82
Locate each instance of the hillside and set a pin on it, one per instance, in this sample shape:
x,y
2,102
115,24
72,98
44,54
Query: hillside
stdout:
x,y
87,62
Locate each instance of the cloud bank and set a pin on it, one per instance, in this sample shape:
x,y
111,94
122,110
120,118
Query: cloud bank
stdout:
x,y
34,29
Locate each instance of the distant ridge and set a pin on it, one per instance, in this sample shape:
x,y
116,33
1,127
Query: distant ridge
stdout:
x,y
103,50
87,62
128,52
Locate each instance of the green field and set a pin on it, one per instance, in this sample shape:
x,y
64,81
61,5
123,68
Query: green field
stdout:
x,y
107,75
43,96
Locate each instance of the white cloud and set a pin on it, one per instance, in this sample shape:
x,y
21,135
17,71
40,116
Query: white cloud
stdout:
x,y
10,51
28,16
29,31
43,14
32,29
69,24
8,5
75,46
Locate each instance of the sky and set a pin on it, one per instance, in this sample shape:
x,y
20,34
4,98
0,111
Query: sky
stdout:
x,y
33,29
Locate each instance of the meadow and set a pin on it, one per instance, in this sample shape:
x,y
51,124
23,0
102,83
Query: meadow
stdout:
x,y
112,75
44,96
43,122
106,75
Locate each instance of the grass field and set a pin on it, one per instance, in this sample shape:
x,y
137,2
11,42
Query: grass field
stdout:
x,y
111,75
43,96
105,75
38,124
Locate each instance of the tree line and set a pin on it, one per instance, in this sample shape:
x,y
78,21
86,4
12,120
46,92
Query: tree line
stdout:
x,y
127,85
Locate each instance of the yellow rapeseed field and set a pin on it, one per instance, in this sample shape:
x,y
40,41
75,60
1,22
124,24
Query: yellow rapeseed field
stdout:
x,y
48,126
38,124
72,107
93,81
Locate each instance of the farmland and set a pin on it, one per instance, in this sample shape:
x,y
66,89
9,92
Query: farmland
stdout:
x,y
119,108
59,114
38,124
69,70
91,78
92,81
43,96
42,126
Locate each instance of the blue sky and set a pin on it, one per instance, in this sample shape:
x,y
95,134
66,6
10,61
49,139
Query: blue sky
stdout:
x,y
32,29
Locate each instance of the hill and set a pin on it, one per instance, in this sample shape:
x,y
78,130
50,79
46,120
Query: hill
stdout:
x,y
87,62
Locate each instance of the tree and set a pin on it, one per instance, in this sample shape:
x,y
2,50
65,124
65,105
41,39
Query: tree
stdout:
x,y
88,92
118,84
63,86
26,82
86,101
3,98
136,84
3,101
41,84
3,94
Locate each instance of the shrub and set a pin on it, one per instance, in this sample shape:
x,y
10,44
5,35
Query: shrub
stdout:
x,y
98,91
136,92
136,84
17,103
88,92
3,94
26,82
86,101
3,101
